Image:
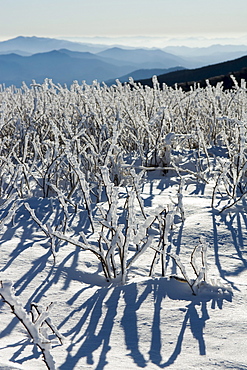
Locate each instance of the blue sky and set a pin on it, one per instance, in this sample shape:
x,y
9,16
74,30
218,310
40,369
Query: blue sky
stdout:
x,y
114,18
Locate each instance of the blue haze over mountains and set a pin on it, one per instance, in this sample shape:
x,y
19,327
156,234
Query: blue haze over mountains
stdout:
x,y
33,58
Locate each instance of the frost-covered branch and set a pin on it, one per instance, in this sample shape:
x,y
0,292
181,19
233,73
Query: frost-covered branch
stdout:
x,y
34,326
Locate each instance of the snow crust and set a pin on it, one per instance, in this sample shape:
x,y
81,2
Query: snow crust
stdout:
x,y
154,322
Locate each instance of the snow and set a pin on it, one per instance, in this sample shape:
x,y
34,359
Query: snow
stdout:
x,y
97,240
154,322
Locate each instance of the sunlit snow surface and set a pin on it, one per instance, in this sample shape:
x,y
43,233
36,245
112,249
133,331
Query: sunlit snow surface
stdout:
x,y
153,322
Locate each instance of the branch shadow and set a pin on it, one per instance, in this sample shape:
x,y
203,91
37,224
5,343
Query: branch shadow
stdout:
x,y
129,321
233,222
197,325
91,340
172,289
94,329
92,332
53,276
15,358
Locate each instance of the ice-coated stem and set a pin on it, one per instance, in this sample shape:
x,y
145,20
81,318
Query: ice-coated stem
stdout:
x,y
33,327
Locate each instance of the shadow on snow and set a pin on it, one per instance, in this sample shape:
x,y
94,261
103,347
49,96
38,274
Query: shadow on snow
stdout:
x,y
235,223
91,333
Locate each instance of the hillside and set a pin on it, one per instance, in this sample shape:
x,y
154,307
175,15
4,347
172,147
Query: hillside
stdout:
x,y
227,80
190,76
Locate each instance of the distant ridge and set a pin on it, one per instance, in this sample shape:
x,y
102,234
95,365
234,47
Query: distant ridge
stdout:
x,y
144,58
144,73
60,66
33,45
213,54
226,80
186,78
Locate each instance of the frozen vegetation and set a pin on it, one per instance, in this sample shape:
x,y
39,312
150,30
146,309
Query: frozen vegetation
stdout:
x,y
115,203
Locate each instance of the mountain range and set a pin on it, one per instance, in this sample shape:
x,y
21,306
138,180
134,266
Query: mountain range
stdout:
x,y
33,45
201,56
34,58
64,61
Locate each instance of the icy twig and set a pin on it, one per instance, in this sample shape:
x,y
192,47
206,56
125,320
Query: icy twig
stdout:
x,y
33,327
178,262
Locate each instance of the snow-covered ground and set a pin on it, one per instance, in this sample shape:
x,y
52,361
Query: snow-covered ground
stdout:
x,y
104,182
150,322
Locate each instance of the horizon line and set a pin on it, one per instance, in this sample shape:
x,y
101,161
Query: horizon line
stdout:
x,y
155,41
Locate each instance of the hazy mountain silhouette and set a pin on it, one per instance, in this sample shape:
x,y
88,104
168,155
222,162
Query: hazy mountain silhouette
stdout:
x,y
65,66
189,76
176,55
208,55
195,51
144,73
143,58
60,66
33,45
87,55
18,52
